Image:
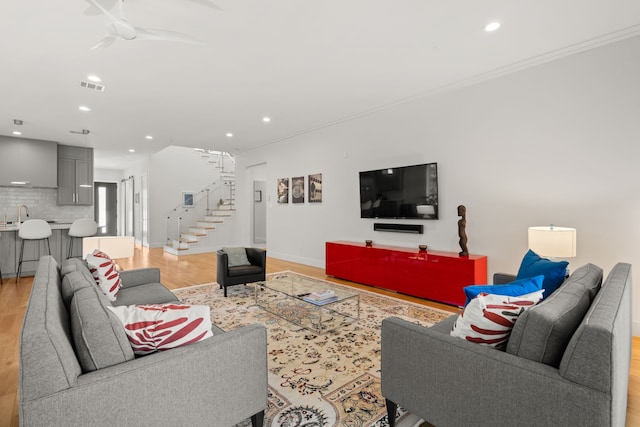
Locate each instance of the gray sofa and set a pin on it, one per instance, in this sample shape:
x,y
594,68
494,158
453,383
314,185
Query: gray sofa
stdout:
x,y
76,370
566,363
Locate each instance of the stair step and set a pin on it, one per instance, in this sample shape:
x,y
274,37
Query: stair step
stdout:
x,y
206,225
194,237
180,246
213,220
197,231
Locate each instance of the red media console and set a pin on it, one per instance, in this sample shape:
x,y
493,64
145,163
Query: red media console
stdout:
x,y
435,275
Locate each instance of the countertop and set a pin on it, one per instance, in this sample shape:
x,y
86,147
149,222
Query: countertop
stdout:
x,y
55,225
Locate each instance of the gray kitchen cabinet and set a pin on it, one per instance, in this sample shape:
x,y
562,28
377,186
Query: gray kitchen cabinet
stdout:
x,y
28,160
75,175
8,253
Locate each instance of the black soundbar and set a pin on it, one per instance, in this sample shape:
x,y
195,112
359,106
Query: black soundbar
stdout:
x,y
399,228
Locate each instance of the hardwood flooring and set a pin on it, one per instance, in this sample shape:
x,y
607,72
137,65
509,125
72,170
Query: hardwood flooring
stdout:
x,y
179,272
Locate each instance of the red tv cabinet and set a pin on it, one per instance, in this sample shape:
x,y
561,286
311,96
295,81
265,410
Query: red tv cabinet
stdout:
x,y
438,276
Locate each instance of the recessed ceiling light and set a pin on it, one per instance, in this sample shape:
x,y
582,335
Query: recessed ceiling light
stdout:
x,y
492,27
266,119
84,108
148,137
229,135
17,132
94,78
131,150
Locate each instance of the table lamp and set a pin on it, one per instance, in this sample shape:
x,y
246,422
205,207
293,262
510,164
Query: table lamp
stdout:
x,y
553,242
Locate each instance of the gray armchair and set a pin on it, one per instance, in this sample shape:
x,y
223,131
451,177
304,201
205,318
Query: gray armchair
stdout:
x,y
229,275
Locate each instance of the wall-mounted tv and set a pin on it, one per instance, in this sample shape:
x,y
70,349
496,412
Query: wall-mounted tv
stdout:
x,y
407,192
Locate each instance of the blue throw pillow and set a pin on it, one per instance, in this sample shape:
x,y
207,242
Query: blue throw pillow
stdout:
x,y
514,289
554,272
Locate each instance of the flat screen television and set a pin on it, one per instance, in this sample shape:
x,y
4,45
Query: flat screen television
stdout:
x,y
407,192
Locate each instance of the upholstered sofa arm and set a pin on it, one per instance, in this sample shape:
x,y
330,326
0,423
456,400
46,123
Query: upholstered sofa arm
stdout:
x,y
219,381
503,278
139,276
449,381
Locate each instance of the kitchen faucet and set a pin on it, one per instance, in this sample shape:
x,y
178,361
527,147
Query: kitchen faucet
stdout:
x,y
20,212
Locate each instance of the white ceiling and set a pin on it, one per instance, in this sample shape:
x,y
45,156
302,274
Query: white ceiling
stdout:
x,y
304,64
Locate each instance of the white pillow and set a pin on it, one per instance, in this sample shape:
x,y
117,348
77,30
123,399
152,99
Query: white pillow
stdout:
x,y
104,273
488,319
163,326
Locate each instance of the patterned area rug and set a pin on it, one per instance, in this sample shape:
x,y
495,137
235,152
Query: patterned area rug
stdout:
x,y
330,379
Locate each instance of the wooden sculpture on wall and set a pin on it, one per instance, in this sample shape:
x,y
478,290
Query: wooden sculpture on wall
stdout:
x,y
462,224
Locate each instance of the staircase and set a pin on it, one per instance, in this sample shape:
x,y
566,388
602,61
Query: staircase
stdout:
x,y
192,230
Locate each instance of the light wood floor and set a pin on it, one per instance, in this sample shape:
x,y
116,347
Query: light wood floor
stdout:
x,y
178,272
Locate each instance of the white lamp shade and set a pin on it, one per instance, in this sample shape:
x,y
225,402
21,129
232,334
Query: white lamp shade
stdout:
x,y
550,241
114,246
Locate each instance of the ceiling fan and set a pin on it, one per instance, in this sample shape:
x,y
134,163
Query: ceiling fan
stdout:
x,y
118,28
109,4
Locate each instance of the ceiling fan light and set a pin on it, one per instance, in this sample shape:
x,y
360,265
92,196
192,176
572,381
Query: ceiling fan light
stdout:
x,y
492,26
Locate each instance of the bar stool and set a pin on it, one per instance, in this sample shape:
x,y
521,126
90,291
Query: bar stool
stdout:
x,y
33,229
83,227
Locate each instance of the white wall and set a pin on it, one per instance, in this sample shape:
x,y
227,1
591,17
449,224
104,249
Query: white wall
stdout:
x,y
558,143
108,175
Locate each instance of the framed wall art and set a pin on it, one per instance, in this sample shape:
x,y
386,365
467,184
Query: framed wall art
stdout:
x,y
187,199
297,189
315,188
283,190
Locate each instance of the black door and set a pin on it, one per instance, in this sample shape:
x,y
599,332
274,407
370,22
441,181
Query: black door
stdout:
x,y
106,208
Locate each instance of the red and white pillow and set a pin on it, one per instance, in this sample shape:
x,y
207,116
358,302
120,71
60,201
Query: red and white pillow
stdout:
x,y
488,319
104,273
156,327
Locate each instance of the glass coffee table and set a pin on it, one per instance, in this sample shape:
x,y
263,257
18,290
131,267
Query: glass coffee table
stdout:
x,y
287,296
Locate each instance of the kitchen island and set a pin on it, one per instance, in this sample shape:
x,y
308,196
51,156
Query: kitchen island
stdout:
x,y
10,248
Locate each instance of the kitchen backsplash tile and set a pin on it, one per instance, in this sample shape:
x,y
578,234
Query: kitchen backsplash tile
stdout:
x,y
42,204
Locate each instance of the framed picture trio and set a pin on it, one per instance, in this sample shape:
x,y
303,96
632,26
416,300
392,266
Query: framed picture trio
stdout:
x,y
297,188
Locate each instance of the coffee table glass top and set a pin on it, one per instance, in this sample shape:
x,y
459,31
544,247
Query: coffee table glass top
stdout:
x,y
287,295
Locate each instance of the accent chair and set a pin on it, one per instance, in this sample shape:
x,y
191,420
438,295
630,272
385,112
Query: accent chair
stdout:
x,y
240,266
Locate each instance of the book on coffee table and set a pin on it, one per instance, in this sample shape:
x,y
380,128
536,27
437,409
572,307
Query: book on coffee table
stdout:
x,y
320,302
322,295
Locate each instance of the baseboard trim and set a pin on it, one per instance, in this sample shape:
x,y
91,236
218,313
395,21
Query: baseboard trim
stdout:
x,y
635,328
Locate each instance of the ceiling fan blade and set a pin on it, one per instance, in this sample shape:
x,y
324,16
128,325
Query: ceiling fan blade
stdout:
x,y
105,42
114,19
94,11
166,35
208,3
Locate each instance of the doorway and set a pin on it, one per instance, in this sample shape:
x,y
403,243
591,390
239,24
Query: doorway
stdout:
x,y
259,212
106,208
